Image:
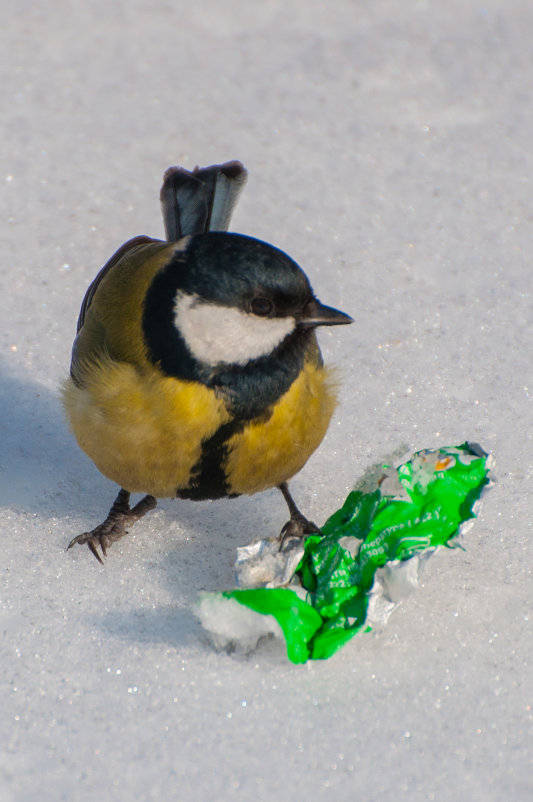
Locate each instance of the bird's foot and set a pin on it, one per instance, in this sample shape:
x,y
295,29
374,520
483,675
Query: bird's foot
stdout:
x,y
114,526
298,527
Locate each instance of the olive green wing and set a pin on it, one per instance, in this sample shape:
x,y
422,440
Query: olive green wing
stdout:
x,y
110,319
117,257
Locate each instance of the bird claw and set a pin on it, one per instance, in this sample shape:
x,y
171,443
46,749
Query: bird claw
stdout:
x,y
102,536
114,526
94,550
92,540
297,527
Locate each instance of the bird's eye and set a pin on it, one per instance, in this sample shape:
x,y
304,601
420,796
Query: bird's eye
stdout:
x,y
261,306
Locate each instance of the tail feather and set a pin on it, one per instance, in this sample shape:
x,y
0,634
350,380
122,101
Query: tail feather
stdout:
x,y
201,200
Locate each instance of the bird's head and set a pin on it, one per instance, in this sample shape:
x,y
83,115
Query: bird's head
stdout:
x,y
232,299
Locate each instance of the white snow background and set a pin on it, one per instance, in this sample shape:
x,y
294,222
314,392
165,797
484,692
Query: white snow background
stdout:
x,y
389,145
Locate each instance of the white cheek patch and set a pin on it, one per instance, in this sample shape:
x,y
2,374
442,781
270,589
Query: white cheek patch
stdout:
x,y
216,334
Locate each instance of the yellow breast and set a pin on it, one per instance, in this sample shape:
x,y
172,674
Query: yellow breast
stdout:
x,y
143,431
270,452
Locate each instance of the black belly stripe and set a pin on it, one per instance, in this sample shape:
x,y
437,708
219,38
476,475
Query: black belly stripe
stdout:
x,y
208,480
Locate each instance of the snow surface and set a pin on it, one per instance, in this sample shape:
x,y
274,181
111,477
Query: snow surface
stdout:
x,y
389,150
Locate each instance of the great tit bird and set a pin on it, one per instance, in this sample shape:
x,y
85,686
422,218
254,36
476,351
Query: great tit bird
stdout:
x,y
196,371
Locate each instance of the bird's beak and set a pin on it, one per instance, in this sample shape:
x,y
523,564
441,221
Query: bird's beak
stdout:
x,y
316,314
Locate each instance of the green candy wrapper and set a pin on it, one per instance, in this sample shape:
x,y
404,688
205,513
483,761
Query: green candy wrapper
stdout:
x,y
414,508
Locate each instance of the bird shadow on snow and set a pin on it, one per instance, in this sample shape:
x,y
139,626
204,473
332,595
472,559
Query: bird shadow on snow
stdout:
x,y
37,452
174,627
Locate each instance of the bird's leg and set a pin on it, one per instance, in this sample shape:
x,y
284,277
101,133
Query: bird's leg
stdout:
x,y
114,526
298,525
